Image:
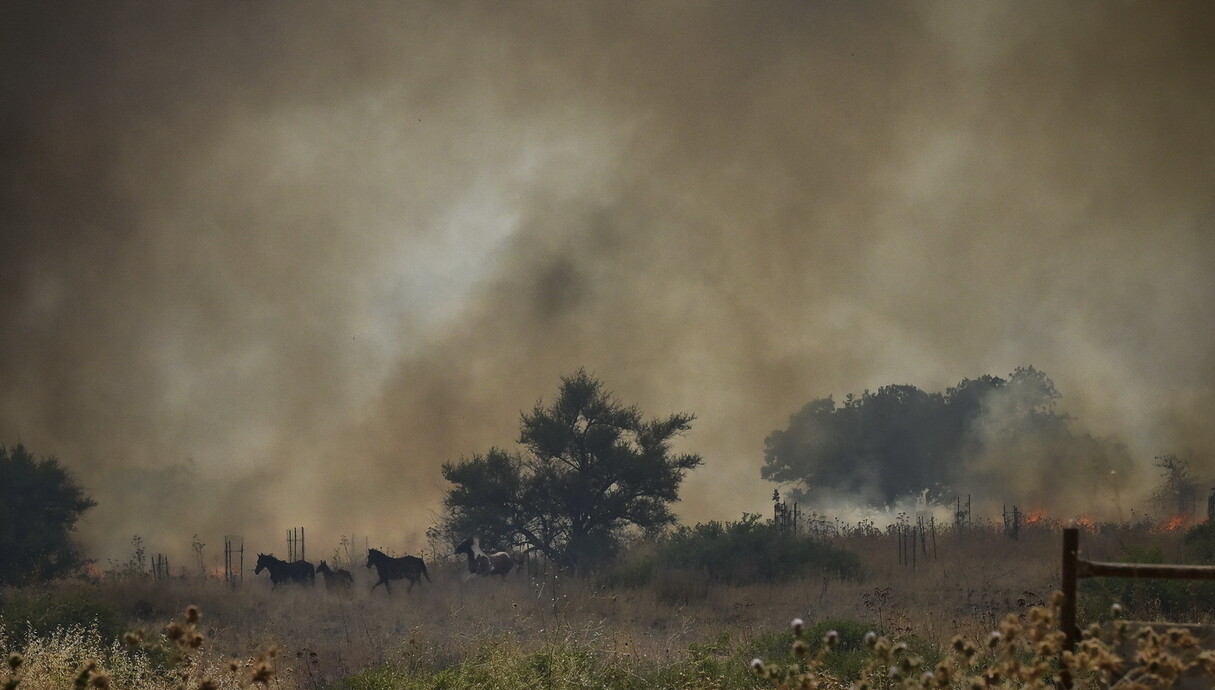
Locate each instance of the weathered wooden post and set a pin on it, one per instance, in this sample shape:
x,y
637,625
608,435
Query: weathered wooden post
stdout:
x,y
295,544
1067,615
234,559
898,533
932,521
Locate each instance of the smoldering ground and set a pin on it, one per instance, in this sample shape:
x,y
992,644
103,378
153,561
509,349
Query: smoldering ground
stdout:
x,y
300,254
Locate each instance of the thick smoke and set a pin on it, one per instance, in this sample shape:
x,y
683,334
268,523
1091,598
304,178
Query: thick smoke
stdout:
x,y
270,265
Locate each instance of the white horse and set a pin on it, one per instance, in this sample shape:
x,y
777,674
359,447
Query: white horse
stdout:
x,y
481,563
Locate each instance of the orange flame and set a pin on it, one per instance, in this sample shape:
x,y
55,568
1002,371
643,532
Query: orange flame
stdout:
x,y
1034,517
1173,523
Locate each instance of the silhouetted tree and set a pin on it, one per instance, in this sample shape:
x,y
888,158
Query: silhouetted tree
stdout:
x,y
878,445
590,469
1178,492
39,506
882,445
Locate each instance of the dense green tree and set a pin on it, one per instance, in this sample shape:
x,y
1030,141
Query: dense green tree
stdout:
x,y
589,470
877,445
883,445
39,506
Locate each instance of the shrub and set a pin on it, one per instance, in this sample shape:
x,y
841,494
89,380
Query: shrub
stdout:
x,y
79,656
27,613
635,568
1199,542
749,550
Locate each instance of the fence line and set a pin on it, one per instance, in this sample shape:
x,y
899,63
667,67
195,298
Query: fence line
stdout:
x,y
234,559
1075,568
295,544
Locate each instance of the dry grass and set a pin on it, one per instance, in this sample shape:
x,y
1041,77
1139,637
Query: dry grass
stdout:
x,y
971,586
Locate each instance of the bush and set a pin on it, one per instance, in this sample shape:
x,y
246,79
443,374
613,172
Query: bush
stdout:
x,y
28,613
635,568
79,656
749,550
1199,542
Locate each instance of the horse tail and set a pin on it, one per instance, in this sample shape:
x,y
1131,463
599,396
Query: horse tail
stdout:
x,y
424,570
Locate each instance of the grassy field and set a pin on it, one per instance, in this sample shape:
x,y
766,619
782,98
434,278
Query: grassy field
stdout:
x,y
540,630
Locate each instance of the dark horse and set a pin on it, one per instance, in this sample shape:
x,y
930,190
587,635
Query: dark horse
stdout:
x,y
388,568
481,563
335,580
282,571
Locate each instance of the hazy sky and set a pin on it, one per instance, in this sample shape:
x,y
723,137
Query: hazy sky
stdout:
x,y
266,265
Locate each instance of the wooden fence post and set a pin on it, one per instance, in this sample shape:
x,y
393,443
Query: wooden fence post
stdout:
x,y
1067,616
1074,569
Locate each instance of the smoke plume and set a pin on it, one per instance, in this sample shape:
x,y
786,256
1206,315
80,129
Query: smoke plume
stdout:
x,y
269,265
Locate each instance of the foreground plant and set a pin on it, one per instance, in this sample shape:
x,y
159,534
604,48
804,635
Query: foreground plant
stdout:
x,y
75,657
1022,653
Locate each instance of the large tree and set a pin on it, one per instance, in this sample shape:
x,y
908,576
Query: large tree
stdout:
x,y
39,506
589,470
881,446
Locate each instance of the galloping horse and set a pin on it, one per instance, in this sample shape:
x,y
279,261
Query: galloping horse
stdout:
x,y
282,571
481,563
388,568
339,579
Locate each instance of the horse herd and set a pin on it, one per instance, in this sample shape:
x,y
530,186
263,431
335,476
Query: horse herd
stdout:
x,y
387,568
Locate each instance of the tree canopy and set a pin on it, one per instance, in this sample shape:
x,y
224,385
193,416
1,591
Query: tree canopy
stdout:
x,y
900,440
39,506
589,469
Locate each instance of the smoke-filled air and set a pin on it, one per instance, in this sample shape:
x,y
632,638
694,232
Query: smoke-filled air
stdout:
x,y
267,265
